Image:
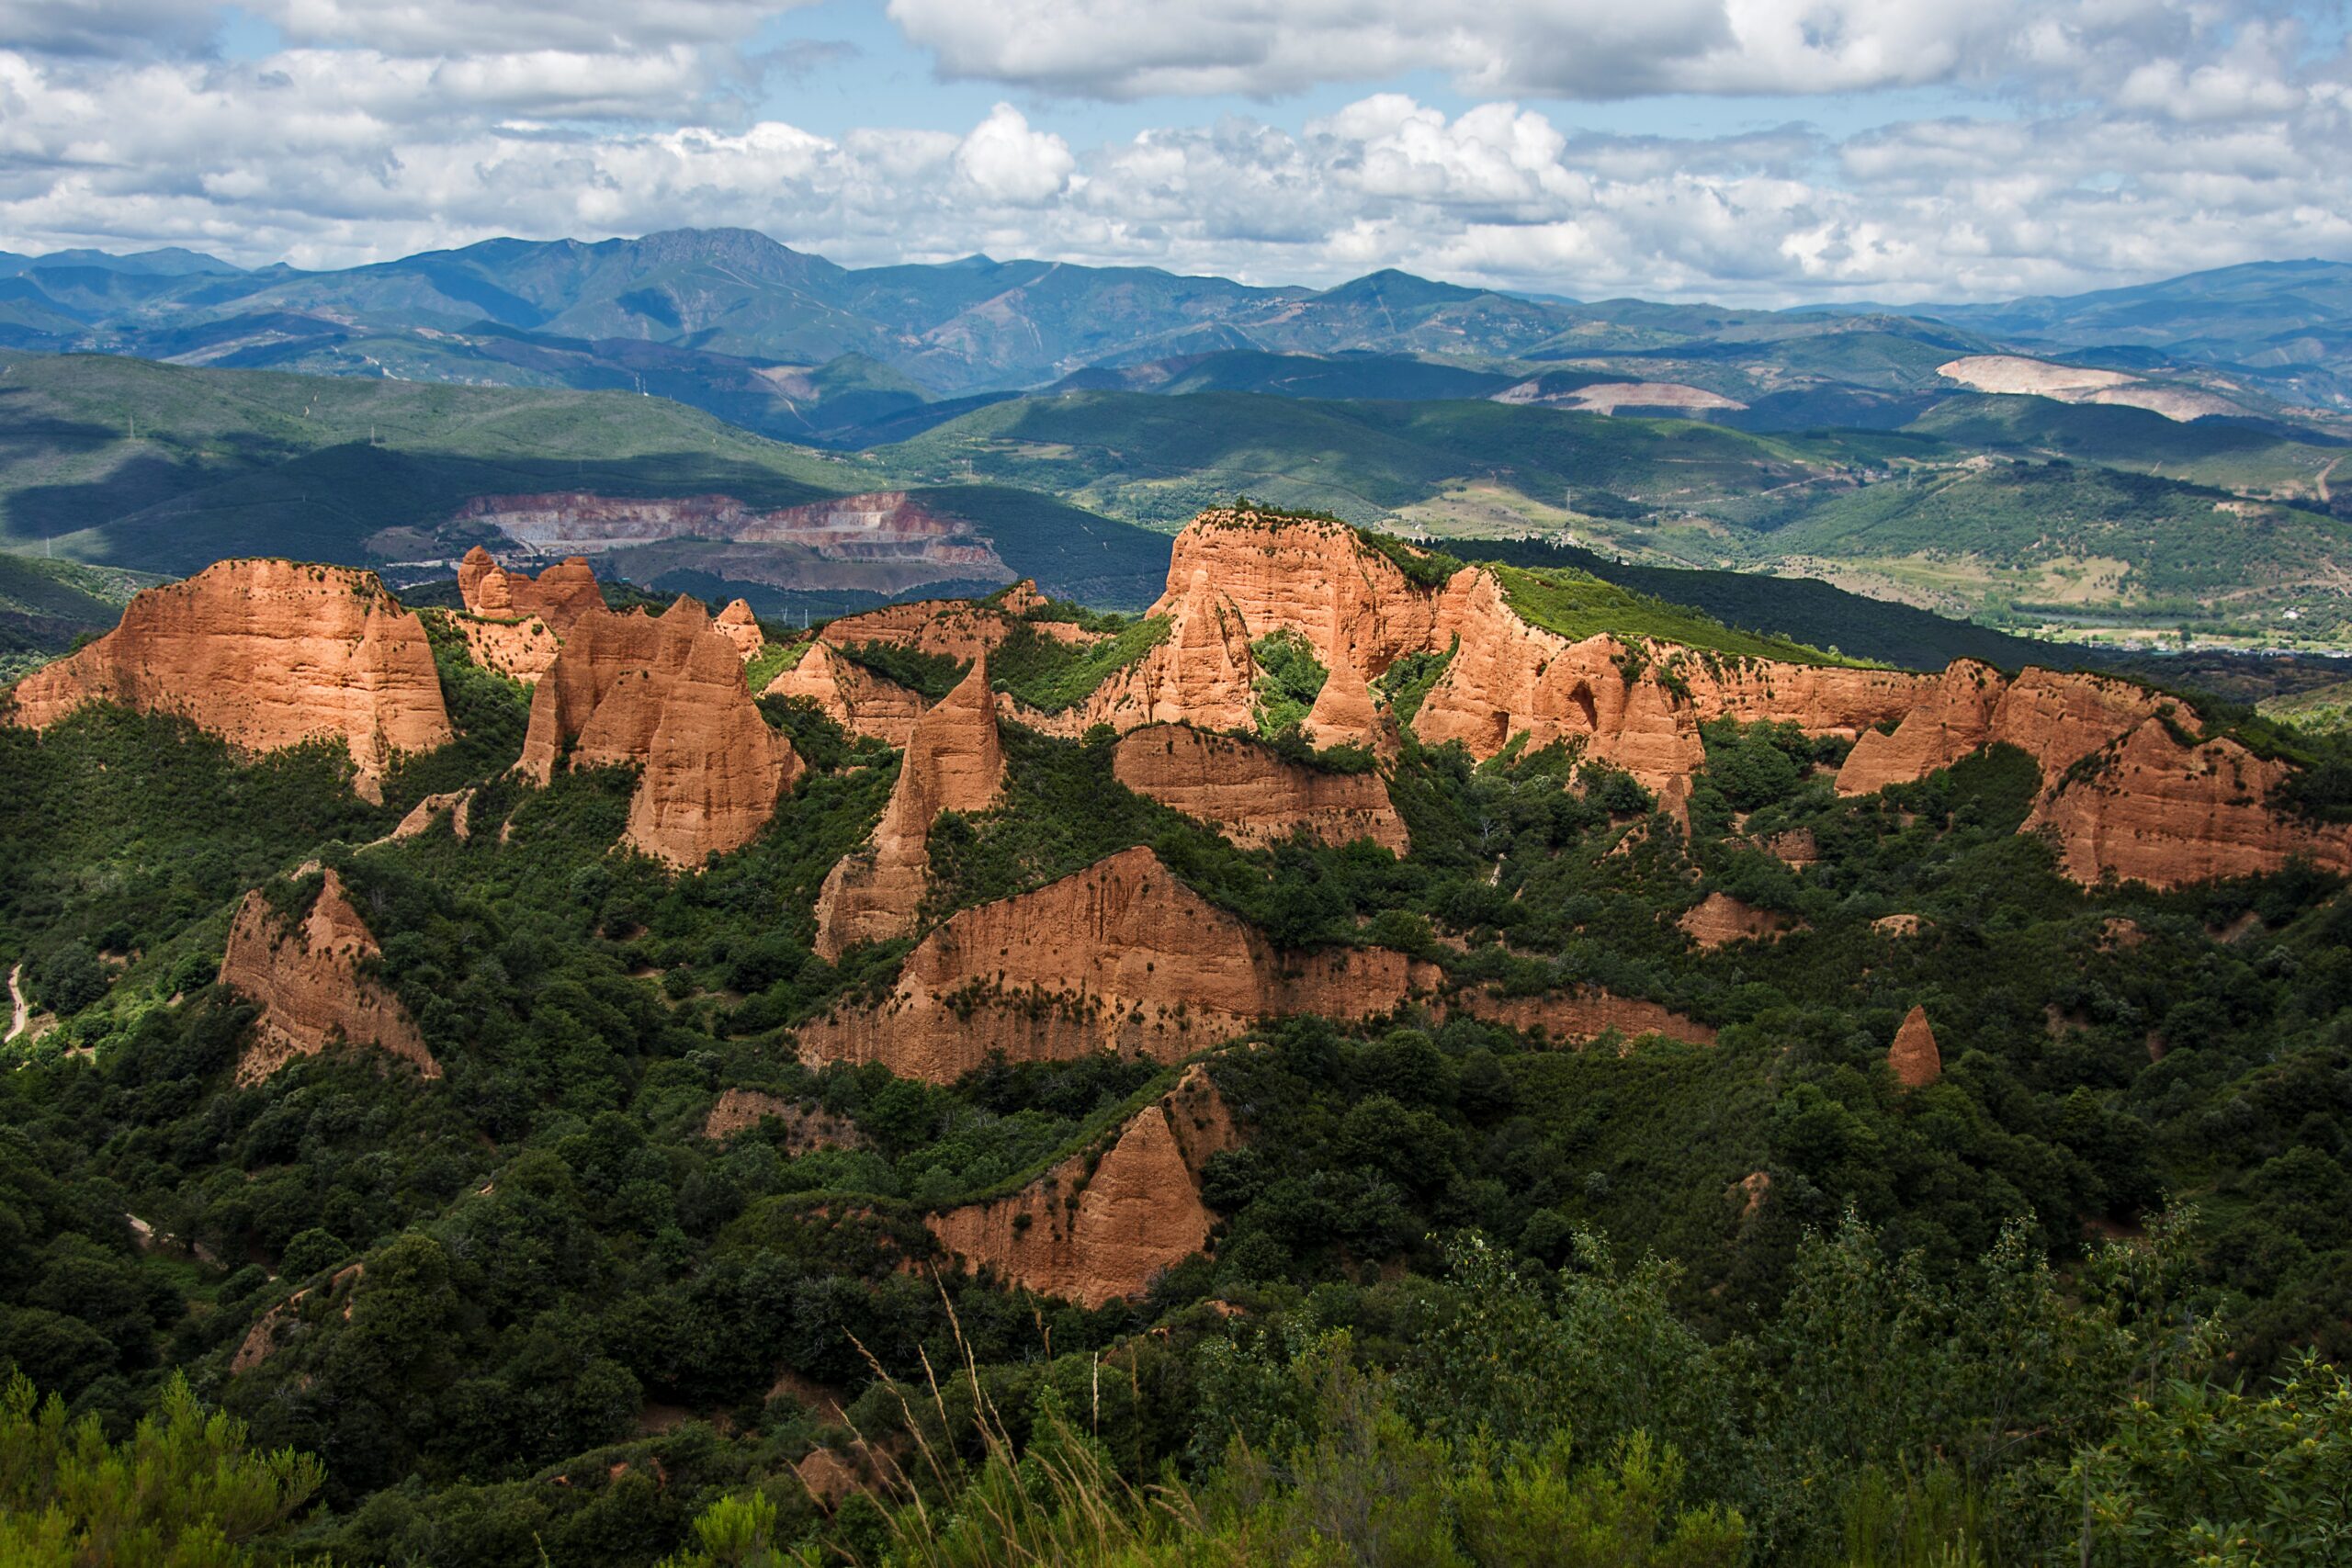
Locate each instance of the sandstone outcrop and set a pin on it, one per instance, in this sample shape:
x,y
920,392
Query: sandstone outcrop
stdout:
x,y
2150,808
668,695
276,1328
2055,718
1102,1234
806,1128
559,595
738,626
1121,955
1251,793
851,695
1913,1057
1352,603
1720,920
1506,677
520,648
265,654
955,762
310,986
1344,714
457,803
1578,1016
2126,793
1201,673
960,629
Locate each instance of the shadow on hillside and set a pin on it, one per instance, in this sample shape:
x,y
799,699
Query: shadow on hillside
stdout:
x,y
326,504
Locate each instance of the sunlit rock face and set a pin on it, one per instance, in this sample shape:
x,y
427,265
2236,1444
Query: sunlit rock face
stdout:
x,y
265,654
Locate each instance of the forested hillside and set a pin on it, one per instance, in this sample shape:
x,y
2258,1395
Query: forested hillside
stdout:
x,y
1642,1132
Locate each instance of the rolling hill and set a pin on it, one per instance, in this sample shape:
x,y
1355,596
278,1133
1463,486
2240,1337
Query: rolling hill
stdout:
x,y
226,463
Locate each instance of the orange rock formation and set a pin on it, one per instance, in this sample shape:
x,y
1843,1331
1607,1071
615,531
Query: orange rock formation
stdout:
x,y
738,626
2055,718
2123,795
1234,578
1119,955
457,803
265,654
2148,808
310,986
667,695
1913,1057
559,595
806,1128
851,695
1344,714
1100,1234
953,762
523,649
961,629
1250,792
1720,920
1575,1017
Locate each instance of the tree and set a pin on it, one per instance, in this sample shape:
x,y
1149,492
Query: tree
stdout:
x,y
2195,1474
185,1491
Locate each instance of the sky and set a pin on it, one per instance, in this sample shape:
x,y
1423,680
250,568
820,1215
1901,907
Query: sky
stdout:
x,y
1753,151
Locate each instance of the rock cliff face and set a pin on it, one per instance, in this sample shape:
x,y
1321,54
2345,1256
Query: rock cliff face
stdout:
x,y
1913,1057
1506,677
1251,793
1121,955
308,982
1345,715
1720,920
953,762
1202,675
2122,796
1100,1235
2055,718
523,648
961,629
738,626
265,654
1353,603
559,595
851,695
459,803
1574,1017
806,1128
2148,808
666,695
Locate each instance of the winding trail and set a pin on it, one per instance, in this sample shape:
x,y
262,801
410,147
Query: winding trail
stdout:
x,y
17,999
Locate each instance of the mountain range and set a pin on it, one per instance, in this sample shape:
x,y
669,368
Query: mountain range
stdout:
x,y
792,345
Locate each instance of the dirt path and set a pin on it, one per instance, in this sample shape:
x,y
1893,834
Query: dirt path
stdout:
x,y
17,1000
2323,473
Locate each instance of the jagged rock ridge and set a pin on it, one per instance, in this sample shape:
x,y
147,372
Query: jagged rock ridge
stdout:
x,y
953,762
558,595
1100,1235
308,984
1251,792
1121,955
668,695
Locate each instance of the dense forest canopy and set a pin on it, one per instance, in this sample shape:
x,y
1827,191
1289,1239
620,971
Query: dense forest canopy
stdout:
x,y
636,1279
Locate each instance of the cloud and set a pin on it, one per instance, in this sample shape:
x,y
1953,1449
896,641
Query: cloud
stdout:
x,y
1007,161
452,28
2136,138
1577,49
